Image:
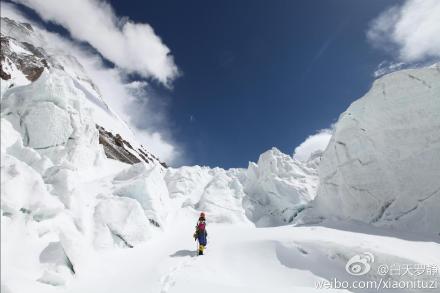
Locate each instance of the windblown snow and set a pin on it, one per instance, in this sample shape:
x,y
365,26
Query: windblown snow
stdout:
x,y
75,220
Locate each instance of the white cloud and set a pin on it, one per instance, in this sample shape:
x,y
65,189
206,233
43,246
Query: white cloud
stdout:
x,y
161,147
313,143
131,46
413,29
122,96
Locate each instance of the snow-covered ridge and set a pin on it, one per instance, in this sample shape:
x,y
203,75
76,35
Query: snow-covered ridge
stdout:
x,y
382,165
25,54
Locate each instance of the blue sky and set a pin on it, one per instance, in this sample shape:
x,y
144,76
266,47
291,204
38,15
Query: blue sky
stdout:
x,y
257,75
253,74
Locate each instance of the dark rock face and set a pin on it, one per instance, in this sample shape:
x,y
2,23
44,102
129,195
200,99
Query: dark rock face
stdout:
x,y
32,64
116,148
4,75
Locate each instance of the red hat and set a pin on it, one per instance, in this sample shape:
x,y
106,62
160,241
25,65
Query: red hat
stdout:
x,y
202,215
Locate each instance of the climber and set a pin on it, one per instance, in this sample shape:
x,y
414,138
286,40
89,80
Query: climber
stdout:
x,y
201,233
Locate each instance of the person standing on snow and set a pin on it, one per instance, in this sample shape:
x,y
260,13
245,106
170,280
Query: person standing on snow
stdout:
x,y
201,233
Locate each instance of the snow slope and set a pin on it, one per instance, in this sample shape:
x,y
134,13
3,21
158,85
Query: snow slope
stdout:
x,y
239,259
382,165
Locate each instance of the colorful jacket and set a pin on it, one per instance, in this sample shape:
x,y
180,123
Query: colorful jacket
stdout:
x,y
201,233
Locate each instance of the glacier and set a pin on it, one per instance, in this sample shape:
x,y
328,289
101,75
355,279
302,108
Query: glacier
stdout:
x,y
86,208
60,187
382,165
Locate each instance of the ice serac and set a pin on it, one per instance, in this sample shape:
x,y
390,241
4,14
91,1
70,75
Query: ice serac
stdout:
x,y
58,198
223,197
382,165
270,192
146,185
278,187
121,221
215,191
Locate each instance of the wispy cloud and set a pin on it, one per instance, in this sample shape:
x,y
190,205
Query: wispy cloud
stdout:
x,y
409,31
131,46
313,143
327,43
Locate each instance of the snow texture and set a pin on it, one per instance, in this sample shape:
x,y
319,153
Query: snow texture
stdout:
x,y
382,165
278,188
